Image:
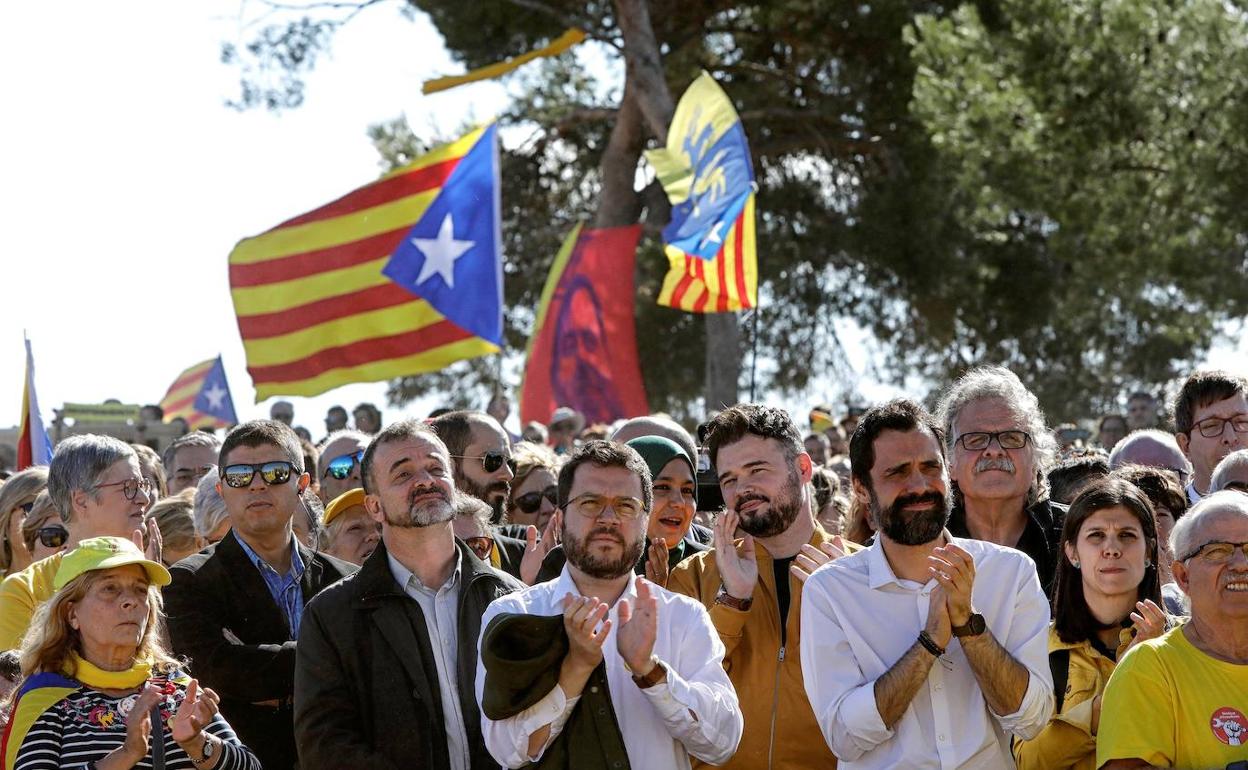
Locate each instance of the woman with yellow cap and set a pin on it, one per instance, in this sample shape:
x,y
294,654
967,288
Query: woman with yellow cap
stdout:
x,y
101,691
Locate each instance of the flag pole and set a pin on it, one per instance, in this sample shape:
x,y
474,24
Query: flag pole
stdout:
x,y
753,352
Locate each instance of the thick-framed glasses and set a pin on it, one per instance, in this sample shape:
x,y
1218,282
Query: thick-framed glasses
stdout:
x,y
1217,552
490,461
531,502
481,546
273,473
1213,427
130,487
54,536
592,506
341,466
978,441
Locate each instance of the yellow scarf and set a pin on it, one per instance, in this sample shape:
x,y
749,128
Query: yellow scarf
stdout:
x,y
96,677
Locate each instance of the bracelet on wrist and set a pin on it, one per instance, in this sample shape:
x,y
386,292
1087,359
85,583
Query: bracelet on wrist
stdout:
x,y
728,600
930,645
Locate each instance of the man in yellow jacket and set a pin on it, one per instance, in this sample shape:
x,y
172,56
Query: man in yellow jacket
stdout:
x,y
752,587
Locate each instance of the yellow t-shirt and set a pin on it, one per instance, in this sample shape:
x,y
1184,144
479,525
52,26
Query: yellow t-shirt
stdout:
x,y
21,594
1171,705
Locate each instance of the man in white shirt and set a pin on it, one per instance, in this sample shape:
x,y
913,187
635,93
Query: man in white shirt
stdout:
x,y
924,650
663,659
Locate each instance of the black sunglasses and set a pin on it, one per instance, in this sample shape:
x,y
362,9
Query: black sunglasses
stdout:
x,y
490,461
53,536
530,502
240,475
27,507
341,466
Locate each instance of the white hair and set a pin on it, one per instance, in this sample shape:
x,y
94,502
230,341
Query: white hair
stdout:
x,y
1145,434
1183,536
1222,473
209,507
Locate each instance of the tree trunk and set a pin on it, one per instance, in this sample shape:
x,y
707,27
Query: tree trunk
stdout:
x,y
653,103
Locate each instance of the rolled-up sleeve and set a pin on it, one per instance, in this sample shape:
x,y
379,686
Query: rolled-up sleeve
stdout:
x,y
842,697
697,702
1028,643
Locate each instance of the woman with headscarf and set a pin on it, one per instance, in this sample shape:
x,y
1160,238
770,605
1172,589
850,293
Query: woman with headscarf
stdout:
x,y
100,690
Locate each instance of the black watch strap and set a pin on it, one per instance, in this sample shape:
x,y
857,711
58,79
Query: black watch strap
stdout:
x,y
975,625
930,645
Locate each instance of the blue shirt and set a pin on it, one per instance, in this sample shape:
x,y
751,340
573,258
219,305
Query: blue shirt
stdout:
x,y
286,590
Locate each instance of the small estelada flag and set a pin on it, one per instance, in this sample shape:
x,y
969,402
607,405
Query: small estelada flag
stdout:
x,y
201,396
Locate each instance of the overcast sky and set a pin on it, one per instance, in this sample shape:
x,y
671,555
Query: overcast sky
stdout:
x,y
125,182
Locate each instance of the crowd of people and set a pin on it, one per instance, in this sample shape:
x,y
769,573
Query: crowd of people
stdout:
x,y
884,588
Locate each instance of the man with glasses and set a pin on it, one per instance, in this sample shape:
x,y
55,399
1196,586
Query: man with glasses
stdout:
x,y
188,459
998,449
234,609
98,489
481,453
340,457
655,652
1181,699
1210,422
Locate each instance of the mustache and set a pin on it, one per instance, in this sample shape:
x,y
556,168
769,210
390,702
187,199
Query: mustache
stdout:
x,y
418,491
995,464
606,531
927,497
751,497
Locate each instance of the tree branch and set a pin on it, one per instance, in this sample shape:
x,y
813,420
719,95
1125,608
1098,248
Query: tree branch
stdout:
x,y
644,66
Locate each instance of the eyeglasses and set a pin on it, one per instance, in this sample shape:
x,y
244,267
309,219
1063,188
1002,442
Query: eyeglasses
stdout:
x,y
592,506
341,466
1217,552
26,507
1214,427
1007,439
130,487
531,502
481,546
53,536
490,461
240,475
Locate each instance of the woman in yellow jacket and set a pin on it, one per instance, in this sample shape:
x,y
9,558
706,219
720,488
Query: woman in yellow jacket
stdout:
x,y
1107,598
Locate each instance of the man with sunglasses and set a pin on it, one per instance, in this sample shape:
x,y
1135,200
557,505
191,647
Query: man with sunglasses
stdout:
x,y
481,452
98,488
998,449
1181,699
234,609
341,453
1210,422
656,651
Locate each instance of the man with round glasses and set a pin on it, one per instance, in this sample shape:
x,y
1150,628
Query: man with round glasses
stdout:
x,y
1181,699
340,457
98,489
1210,422
234,608
998,449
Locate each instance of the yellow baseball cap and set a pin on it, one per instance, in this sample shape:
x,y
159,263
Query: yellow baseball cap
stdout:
x,y
105,553
341,503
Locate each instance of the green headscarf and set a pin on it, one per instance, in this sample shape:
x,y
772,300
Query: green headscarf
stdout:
x,y
658,451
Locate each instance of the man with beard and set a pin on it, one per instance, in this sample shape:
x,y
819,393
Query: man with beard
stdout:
x,y
924,650
384,677
481,451
656,651
764,474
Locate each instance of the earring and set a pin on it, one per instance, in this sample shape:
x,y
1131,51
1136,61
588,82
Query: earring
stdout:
x,y
1075,564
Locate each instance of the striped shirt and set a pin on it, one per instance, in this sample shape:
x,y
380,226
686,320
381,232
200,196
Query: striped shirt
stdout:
x,y
86,725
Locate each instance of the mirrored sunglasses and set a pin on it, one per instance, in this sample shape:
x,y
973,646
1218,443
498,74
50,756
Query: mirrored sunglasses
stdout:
x,y
53,536
341,466
273,473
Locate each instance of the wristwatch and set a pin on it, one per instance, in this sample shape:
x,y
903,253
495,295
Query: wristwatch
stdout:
x,y
648,679
974,626
208,750
728,600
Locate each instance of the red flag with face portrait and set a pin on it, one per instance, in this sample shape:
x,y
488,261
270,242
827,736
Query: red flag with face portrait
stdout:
x,y
583,352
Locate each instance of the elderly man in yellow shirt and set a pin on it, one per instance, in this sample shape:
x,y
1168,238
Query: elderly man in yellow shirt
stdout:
x,y
1181,700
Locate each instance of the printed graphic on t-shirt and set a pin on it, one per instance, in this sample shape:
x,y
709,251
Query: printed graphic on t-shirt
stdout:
x,y
1230,725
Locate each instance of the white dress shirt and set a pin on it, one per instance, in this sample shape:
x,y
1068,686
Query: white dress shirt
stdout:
x,y
859,619
694,711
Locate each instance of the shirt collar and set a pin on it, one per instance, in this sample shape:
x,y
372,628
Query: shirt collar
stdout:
x,y
296,561
880,572
565,585
404,576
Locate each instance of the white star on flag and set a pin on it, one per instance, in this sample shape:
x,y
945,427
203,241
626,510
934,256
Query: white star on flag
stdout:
x,y
441,253
216,396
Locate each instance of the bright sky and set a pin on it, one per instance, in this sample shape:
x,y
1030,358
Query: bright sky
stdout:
x,y
126,182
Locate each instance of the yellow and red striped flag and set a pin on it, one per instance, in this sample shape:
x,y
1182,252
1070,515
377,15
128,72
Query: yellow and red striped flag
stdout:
x,y
201,396
726,283
314,309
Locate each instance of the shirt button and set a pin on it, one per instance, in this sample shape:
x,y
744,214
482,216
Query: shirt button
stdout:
x,y
941,737
602,712
939,687
594,688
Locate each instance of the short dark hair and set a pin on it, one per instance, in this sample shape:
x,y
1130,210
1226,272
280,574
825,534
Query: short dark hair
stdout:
x,y
455,428
262,433
1141,395
606,454
1071,473
1160,485
735,423
397,431
1200,390
900,414
1072,619
1101,425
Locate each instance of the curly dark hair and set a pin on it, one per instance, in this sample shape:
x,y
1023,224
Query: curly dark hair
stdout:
x,y
734,424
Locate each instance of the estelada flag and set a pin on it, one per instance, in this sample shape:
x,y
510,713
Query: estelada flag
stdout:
x,y
583,351
33,445
706,171
314,308
201,396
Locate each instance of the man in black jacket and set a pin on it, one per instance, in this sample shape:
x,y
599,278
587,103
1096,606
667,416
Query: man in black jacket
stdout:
x,y
387,658
234,609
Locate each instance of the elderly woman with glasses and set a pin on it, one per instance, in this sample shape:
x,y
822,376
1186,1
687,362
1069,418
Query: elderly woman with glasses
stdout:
x,y
17,497
100,690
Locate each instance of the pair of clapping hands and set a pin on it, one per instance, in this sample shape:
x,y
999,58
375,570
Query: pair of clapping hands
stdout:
x,y
738,570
